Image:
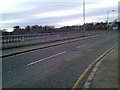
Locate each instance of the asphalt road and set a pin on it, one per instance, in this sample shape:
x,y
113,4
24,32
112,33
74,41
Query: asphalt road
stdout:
x,y
54,67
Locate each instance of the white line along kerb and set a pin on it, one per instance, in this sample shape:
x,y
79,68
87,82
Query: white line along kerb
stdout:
x,y
46,58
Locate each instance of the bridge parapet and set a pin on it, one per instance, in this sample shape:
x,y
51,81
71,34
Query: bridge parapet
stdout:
x,y
29,39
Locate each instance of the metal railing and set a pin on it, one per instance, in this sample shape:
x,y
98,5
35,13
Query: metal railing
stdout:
x,y
29,39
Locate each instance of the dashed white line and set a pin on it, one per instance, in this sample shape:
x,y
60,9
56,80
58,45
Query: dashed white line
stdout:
x,y
45,58
82,46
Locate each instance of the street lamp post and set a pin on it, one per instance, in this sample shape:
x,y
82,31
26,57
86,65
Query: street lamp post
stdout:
x,y
84,15
108,19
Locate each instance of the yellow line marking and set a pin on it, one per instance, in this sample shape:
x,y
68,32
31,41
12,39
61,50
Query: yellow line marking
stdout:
x,y
76,84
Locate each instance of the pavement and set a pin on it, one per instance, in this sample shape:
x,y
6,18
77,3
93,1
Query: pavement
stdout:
x,y
105,75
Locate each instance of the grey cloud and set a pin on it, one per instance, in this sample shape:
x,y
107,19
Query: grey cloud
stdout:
x,y
38,8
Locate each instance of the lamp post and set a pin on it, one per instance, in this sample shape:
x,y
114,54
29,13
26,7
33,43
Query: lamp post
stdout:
x,y
84,16
108,19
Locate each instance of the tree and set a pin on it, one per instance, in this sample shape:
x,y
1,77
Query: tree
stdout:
x,y
16,27
27,28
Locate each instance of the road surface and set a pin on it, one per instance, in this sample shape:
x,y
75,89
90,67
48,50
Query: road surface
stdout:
x,y
54,67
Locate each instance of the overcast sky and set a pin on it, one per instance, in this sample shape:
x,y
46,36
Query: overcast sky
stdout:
x,y
54,12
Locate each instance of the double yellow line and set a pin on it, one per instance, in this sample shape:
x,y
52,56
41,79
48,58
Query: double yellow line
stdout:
x,y
76,84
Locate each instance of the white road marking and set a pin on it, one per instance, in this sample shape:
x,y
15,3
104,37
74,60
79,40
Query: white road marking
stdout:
x,y
82,46
46,58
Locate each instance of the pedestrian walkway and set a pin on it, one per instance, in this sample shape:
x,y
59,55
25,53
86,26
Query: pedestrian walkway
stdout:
x,y
106,75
